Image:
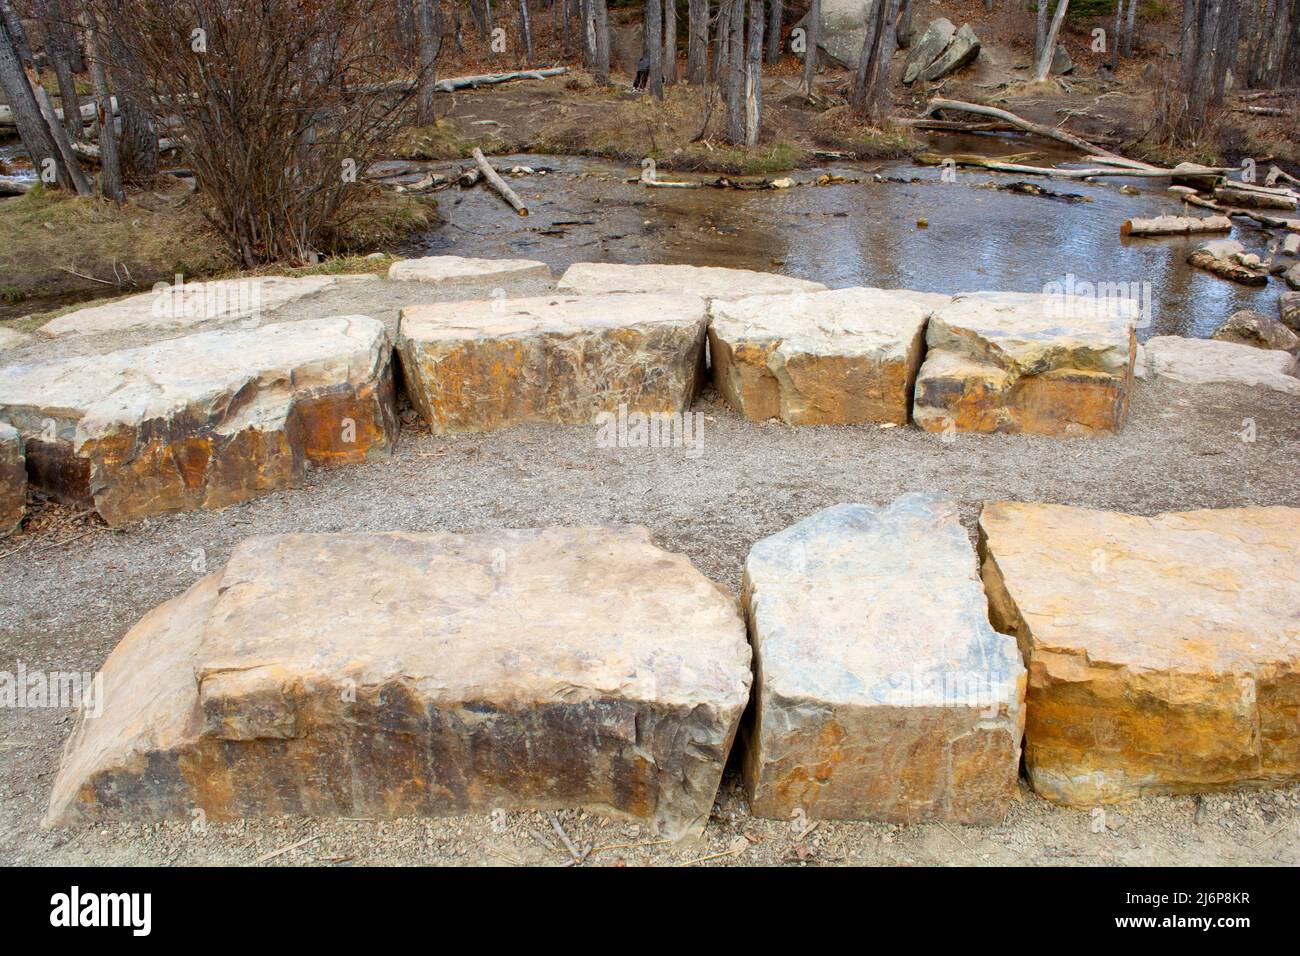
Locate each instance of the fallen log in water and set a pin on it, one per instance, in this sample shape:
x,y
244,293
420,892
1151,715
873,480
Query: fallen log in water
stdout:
x,y
1175,225
1226,268
497,183
1255,198
1049,132
1190,196
935,159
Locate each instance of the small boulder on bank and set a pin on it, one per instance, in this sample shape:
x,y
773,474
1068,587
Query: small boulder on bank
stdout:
x,y
1248,327
963,49
1061,62
926,50
1289,305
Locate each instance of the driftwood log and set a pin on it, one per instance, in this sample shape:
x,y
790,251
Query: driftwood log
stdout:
x,y
1227,269
494,179
1175,225
1254,198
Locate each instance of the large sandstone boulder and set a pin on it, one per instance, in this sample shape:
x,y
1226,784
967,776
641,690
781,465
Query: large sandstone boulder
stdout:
x,y
13,480
927,48
1248,327
1163,653
707,281
1288,306
820,358
204,420
185,304
473,366
1020,362
453,270
961,51
1204,362
391,675
882,692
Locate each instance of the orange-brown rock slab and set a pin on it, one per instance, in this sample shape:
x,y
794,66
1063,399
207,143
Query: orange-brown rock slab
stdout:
x,y
204,420
882,691
820,358
1034,364
1163,652
564,358
397,675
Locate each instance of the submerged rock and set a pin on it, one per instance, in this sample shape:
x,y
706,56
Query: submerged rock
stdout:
x,y
393,675
1163,653
883,692
205,420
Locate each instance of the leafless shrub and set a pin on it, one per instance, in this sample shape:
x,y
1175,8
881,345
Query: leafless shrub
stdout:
x,y
279,105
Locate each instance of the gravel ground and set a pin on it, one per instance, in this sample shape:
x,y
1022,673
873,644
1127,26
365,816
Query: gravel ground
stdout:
x,y
65,601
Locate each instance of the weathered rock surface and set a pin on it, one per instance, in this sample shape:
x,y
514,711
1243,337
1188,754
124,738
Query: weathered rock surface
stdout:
x,y
188,304
842,31
13,480
938,34
961,51
1020,362
449,270
1204,362
12,338
1248,327
204,420
474,366
820,358
883,692
1061,62
1163,653
707,281
392,675
1288,306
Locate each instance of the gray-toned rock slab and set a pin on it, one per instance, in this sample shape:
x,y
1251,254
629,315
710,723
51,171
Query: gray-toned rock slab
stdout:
x,y
882,690
707,281
205,420
450,270
475,366
963,50
187,304
820,358
842,29
1206,362
1248,327
1058,365
13,480
927,48
392,675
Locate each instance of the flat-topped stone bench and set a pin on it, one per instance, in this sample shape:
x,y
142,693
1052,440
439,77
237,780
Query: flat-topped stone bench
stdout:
x,y
882,691
1021,362
1205,362
474,366
821,358
13,480
707,281
1163,653
205,420
391,675
455,270
190,303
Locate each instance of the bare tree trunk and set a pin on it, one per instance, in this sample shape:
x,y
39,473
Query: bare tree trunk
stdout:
x,y
38,125
735,75
870,85
754,74
406,30
1049,43
110,167
774,32
654,47
527,30
670,42
1116,35
60,38
1130,30
562,8
429,43
697,43
601,27
722,47
586,8
487,26
812,39
1040,29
